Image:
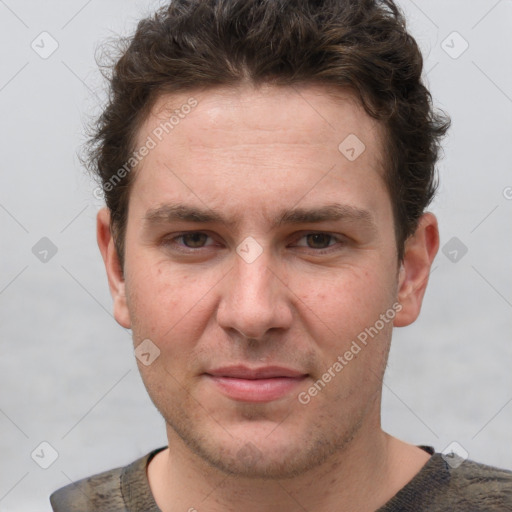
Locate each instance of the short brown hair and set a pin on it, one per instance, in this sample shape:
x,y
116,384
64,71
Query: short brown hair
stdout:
x,y
358,44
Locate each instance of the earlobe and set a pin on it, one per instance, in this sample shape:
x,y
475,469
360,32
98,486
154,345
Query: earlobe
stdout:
x,y
113,268
420,250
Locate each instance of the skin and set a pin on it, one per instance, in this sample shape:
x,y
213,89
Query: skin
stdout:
x,y
248,153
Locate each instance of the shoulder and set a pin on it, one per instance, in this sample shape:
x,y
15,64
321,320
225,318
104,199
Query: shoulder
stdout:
x,y
479,485
98,492
114,490
449,483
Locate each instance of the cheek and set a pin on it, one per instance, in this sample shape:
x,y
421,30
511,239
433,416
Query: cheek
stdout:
x,y
343,316
162,300
341,304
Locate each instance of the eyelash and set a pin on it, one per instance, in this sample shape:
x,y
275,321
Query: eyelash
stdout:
x,y
189,250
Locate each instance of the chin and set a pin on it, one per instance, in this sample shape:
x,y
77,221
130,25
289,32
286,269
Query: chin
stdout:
x,y
273,456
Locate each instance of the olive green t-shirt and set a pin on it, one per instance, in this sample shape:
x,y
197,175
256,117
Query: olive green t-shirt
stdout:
x,y
442,485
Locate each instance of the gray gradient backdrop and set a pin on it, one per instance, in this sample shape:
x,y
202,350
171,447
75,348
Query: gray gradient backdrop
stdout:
x,y
67,372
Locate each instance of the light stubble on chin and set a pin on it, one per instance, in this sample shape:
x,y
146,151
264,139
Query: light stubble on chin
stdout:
x,y
246,458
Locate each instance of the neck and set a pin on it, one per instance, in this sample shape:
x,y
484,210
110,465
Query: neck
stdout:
x,y
368,472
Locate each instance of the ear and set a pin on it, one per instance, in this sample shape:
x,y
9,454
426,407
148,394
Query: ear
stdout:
x,y
420,251
113,267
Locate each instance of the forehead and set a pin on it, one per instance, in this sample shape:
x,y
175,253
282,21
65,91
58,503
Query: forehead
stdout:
x,y
309,114
268,138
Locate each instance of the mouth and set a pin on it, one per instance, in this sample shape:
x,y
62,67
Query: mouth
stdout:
x,y
257,385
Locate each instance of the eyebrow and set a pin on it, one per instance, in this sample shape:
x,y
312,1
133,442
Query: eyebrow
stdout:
x,y
169,213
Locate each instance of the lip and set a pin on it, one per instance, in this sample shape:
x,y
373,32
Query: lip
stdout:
x,y
263,384
264,372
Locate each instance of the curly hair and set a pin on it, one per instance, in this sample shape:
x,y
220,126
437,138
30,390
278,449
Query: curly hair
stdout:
x,y
361,45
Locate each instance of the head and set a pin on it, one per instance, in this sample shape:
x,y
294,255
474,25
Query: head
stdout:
x,y
293,145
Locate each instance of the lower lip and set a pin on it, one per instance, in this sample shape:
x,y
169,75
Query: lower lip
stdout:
x,y
256,390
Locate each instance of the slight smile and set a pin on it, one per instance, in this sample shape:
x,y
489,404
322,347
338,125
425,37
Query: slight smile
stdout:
x,y
263,384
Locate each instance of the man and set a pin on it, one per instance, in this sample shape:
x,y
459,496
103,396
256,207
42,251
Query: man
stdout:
x,y
266,167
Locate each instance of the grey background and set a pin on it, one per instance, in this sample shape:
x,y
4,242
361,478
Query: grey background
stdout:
x,y
67,370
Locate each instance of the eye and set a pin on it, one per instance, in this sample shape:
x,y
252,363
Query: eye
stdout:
x,y
320,242
187,241
193,240
316,242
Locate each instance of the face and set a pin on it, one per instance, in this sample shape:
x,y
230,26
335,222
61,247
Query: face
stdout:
x,y
260,262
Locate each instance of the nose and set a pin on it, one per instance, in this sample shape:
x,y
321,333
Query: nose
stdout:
x,y
254,299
